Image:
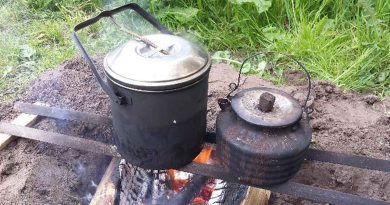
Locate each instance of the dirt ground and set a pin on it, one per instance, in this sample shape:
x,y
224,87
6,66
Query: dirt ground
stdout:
x,y
40,173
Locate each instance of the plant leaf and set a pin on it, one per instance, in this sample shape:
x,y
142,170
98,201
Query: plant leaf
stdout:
x,y
382,76
261,5
26,51
246,68
261,66
219,56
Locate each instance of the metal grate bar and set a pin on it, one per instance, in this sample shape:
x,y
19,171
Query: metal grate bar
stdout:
x,y
59,139
63,114
313,154
291,188
215,171
349,160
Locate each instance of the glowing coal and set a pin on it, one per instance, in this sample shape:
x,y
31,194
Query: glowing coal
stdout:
x,y
141,186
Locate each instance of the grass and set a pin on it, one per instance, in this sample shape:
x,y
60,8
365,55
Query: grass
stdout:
x,y
345,42
35,37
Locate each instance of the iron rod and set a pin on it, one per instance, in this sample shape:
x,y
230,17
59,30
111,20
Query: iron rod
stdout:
x,y
215,171
349,160
313,154
63,114
59,139
290,188
190,191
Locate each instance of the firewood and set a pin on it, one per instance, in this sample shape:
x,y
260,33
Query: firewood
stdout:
x,y
256,196
106,192
139,185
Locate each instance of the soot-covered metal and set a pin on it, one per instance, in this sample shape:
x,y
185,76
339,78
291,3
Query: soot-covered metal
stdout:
x,y
261,133
158,94
261,157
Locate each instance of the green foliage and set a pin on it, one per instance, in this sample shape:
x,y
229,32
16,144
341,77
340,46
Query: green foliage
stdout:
x,y
34,37
55,5
220,24
346,42
261,5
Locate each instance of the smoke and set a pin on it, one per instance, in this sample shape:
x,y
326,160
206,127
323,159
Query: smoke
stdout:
x,y
107,36
88,179
87,198
91,189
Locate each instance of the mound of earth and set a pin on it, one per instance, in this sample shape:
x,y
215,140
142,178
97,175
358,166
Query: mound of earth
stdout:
x,y
40,173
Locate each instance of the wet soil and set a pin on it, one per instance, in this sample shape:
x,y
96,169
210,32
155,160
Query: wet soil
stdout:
x,y
40,173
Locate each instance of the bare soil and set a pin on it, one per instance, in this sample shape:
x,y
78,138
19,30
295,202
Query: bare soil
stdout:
x,y
40,173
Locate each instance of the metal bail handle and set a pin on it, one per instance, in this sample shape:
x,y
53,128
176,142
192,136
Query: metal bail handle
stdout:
x,y
234,86
106,14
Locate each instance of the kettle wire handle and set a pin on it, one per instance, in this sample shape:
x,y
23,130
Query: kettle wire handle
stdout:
x,y
234,86
104,14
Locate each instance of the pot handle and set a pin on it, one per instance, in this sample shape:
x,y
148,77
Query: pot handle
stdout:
x,y
234,86
108,13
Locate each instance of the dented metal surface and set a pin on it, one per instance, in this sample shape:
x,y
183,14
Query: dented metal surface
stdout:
x,y
258,155
262,141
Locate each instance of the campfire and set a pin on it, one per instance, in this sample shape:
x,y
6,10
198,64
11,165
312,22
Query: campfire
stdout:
x,y
180,179
179,187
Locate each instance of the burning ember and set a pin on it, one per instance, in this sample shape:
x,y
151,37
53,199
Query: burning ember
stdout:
x,y
180,179
141,186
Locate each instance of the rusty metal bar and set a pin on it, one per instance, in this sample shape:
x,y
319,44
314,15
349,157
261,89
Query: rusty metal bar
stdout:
x,y
190,191
313,154
59,139
324,195
349,160
63,114
291,188
215,171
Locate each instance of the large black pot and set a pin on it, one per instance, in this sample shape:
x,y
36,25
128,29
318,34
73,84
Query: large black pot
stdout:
x,y
158,99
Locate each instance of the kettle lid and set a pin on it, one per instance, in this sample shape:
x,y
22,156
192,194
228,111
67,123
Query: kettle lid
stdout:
x,y
266,107
136,65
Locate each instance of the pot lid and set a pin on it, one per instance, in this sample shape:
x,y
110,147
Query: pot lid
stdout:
x,y
266,107
136,65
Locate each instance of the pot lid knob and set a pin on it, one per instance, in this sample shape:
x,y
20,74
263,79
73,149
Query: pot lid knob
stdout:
x,y
266,102
266,107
